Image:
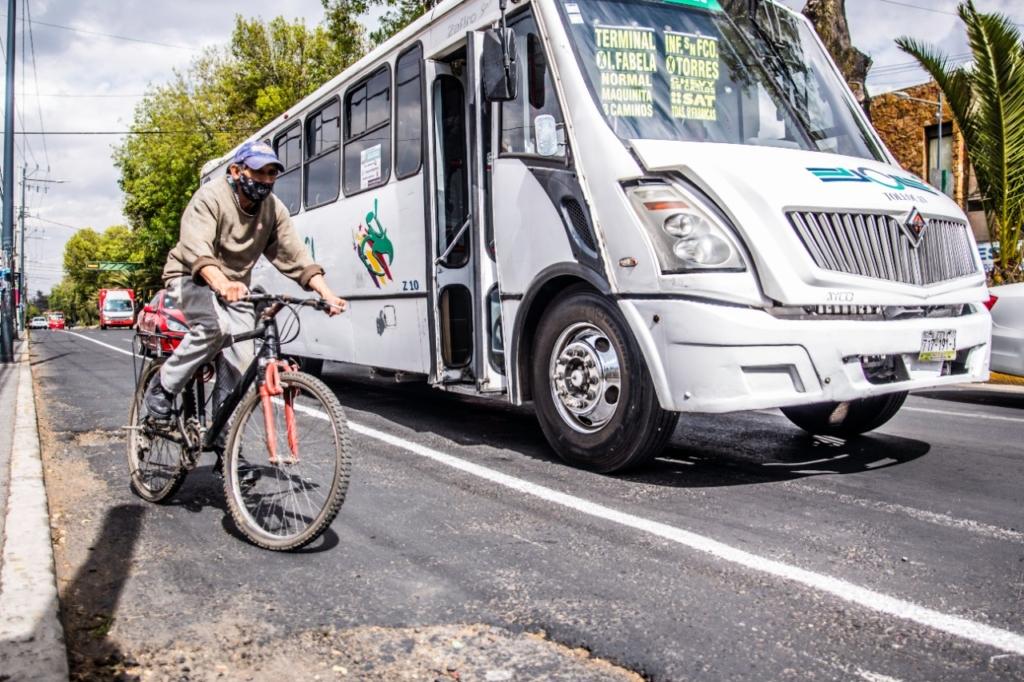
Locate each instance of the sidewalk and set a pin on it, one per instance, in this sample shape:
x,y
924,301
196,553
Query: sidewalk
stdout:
x,y
31,636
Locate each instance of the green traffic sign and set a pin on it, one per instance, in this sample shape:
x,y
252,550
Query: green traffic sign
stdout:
x,y
113,266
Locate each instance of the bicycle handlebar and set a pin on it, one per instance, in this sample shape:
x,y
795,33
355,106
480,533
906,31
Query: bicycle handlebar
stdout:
x,y
318,303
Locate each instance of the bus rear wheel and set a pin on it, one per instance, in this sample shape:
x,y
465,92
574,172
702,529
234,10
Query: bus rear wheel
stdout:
x,y
846,419
591,390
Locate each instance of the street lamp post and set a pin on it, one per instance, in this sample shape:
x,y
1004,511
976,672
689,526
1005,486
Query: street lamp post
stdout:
x,y
938,143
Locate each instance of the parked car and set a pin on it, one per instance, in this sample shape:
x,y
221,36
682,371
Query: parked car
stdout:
x,y
55,319
38,322
161,325
1007,306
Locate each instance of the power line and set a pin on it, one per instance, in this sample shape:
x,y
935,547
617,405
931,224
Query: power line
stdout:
x,y
928,9
111,35
129,132
35,79
82,94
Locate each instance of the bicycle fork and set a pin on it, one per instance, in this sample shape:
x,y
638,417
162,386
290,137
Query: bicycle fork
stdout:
x,y
271,388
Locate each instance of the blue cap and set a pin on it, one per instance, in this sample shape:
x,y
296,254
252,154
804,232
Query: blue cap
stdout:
x,y
256,155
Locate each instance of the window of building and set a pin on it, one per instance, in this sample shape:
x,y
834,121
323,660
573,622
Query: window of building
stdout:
x,y
288,187
536,94
368,133
409,113
323,137
940,157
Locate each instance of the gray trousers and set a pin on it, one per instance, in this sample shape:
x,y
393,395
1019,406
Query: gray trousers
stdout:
x,y
210,322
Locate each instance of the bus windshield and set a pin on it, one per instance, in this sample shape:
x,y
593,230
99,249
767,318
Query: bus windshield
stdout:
x,y
686,70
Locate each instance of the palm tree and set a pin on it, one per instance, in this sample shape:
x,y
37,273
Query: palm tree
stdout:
x,y
987,101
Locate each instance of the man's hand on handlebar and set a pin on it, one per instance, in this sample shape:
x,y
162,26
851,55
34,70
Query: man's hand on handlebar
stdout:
x,y
233,291
335,305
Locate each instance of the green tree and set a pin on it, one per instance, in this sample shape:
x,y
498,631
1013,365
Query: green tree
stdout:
x,y
987,101
400,14
223,97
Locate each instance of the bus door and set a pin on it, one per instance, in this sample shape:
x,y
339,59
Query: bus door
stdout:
x,y
465,297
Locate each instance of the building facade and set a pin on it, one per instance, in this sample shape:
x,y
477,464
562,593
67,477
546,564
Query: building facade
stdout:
x,y
910,128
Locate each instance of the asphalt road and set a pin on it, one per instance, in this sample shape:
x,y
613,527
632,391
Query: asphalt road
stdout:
x,y
748,551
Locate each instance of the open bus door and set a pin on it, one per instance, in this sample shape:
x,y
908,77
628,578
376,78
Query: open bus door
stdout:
x,y
465,296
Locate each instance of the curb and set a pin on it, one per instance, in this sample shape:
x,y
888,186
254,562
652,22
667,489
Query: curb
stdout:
x,y
31,636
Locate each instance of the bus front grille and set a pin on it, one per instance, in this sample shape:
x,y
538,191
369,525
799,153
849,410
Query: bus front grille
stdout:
x,y
877,246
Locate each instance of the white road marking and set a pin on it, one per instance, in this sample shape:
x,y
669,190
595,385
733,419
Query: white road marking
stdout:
x,y
997,638
969,415
964,628
987,530
105,345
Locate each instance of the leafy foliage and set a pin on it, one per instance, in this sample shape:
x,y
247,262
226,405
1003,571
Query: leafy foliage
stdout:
x,y
987,101
224,96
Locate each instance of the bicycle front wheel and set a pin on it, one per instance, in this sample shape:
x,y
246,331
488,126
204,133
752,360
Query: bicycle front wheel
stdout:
x,y
154,463
287,466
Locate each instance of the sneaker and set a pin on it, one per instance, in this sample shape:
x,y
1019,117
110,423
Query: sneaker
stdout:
x,y
159,403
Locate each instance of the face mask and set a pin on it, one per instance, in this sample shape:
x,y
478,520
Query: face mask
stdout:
x,y
256,191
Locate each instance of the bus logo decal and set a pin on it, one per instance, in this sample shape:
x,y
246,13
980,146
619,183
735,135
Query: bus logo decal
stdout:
x,y
374,247
896,182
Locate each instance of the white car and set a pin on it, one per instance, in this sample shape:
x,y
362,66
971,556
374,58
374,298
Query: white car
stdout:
x,y
38,323
1007,306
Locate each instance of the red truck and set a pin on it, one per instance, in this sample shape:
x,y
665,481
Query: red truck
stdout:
x,y
117,308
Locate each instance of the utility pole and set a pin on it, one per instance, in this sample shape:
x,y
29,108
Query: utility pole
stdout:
x,y
7,312
23,307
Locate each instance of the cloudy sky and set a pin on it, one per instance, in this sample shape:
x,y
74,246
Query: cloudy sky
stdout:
x,y
87,63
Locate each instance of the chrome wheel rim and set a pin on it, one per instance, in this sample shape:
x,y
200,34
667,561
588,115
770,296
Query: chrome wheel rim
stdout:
x,y
585,377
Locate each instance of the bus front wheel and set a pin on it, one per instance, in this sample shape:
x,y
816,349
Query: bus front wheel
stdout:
x,y
591,390
846,419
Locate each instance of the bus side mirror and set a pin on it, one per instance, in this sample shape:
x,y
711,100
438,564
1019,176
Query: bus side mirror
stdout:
x,y
499,65
147,308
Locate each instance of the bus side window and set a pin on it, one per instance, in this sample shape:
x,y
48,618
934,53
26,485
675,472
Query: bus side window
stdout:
x,y
409,113
368,133
288,187
535,97
323,135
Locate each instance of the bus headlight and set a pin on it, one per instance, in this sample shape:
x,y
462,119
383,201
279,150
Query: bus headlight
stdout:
x,y
686,237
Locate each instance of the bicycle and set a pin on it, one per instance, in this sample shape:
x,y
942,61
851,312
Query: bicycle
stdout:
x,y
285,459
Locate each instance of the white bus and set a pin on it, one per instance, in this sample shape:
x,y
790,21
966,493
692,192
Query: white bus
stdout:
x,y
660,206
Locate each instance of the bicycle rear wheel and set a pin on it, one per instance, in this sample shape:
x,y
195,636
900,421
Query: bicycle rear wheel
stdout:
x,y
154,463
287,503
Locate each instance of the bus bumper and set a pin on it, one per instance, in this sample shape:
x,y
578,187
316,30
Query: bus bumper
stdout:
x,y
704,357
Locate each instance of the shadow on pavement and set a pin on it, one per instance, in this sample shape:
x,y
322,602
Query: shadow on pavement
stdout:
x,y
203,489
89,602
705,451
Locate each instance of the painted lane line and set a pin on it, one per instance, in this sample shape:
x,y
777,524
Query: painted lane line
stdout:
x,y
969,415
100,343
957,626
980,633
939,519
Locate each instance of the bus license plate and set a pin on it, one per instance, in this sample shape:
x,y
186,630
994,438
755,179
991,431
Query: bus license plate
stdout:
x,y
938,344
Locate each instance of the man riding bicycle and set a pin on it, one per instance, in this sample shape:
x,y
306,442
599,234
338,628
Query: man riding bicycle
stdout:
x,y
228,224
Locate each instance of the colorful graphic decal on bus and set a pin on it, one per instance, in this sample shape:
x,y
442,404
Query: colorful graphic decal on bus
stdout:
x,y
893,182
374,248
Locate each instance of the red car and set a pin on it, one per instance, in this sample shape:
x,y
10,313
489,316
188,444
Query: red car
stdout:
x,y
161,325
55,319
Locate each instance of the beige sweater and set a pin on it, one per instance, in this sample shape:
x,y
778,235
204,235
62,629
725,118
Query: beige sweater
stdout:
x,y
216,231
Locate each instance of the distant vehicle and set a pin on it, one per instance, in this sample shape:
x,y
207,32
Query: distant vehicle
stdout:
x,y
55,319
161,325
1007,306
117,308
38,323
